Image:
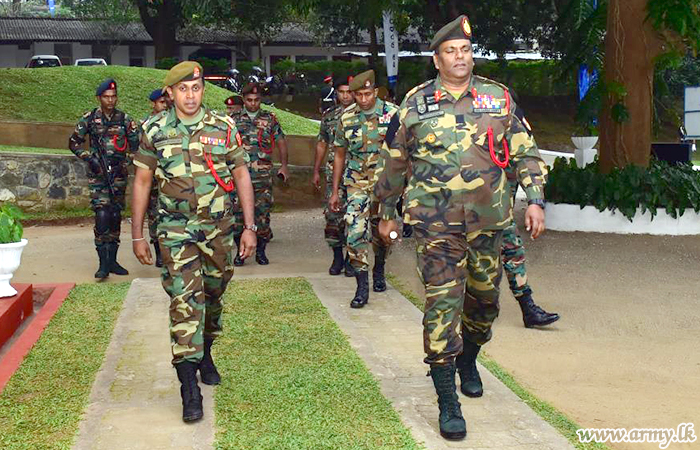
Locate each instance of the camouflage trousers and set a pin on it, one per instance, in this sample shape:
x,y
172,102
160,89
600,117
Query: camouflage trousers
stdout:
x,y
513,254
461,275
361,226
335,221
262,189
153,213
197,266
100,198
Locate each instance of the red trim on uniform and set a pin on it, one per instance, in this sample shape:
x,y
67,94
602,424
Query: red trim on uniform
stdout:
x,y
502,164
269,149
438,96
116,147
228,137
473,92
507,101
239,139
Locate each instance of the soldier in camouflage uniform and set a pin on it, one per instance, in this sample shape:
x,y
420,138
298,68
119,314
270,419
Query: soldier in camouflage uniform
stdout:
x,y
360,135
161,102
458,132
234,104
335,221
261,133
113,137
195,155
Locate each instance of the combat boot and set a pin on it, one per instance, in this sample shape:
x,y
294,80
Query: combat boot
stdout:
x,y
159,256
349,269
378,280
238,261
533,315
468,373
452,424
260,256
362,292
207,369
114,266
103,254
337,265
191,395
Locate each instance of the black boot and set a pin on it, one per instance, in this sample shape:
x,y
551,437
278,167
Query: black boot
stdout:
x,y
103,254
207,369
452,424
349,269
159,256
407,230
260,256
362,292
114,266
337,265
533,315
466,365
378,280
191,395
238,261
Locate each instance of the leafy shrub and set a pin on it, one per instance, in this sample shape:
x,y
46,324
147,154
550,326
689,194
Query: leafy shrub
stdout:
x,y
166,63
10,225
673,188
213,66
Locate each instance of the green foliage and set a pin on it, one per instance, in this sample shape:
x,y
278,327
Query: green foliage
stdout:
x,y
213,66
166,63
672,188
532,78
10,223
679,16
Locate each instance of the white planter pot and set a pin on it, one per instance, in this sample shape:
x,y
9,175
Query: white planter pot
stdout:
x,y
10,255
564,217
584,153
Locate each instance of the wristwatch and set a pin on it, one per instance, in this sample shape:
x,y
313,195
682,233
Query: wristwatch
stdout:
x,y
539,202
253,228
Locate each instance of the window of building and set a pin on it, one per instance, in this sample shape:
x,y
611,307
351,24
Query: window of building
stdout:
x,y
64,51
137,55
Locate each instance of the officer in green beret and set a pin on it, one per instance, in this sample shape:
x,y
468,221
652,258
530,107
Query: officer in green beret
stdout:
x,y
360,135
196,157
234,104
114,136
460,132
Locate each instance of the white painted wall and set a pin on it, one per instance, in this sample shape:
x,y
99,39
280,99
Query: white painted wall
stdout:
x,y
150,56
42,48
81,51
23,57
8,56
120,56
185,51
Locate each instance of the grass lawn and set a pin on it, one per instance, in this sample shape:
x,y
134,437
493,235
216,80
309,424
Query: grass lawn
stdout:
x,y
558,420
291,379
51,151
63,94
42,404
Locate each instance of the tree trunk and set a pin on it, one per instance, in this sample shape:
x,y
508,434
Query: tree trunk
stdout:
x,y
161,20
373,45
631,44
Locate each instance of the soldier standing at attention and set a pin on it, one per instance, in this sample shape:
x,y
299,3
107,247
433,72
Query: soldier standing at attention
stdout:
x,y
458,132
360,135
112,135
260,132
234,104
195,155
160,102
335,220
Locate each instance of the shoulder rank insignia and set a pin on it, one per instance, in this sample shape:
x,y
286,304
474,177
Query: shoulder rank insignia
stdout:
x,y
208,140
486,104
431,138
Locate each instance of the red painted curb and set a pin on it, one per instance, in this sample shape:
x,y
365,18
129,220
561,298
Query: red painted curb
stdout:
x,y
14,356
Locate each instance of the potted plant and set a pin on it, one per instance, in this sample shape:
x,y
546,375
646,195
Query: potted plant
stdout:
x,y
584,140
11,246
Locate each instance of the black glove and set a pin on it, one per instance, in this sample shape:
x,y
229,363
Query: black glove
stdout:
x,y
94,163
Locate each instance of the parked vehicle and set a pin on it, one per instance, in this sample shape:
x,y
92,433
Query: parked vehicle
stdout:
x,y
38,61
90,62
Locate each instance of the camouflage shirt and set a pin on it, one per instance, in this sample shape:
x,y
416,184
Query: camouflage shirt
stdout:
x,y
326,134
259,136
456,186
178,155
362,134
116,136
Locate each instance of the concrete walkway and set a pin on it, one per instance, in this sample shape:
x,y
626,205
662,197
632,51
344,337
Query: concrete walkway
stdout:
x,y
135,402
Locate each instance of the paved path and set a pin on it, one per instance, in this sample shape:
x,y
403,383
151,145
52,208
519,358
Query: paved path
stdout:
x,y
135,402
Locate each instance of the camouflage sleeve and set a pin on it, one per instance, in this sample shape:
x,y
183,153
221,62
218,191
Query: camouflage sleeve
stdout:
x,y
323,132
340,139
146,157
530,169
77,139
236,155
391,173
276,129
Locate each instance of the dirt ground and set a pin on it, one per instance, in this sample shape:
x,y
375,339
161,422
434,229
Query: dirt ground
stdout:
x,y
624,354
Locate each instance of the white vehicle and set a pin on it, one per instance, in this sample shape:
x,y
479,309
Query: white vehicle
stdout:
x,y
90,62
44,61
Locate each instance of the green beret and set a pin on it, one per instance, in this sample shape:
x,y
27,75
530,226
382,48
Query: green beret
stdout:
x,y
251,88
362,81
184,71
460,28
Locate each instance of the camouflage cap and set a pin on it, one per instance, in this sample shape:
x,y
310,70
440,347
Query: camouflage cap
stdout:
x,y
155,95
251,88
234,100
106,85
460,28
184,71
362,81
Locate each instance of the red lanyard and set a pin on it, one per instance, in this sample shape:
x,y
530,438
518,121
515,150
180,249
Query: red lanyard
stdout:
x,y
269,149
228,187
116,147
494,158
